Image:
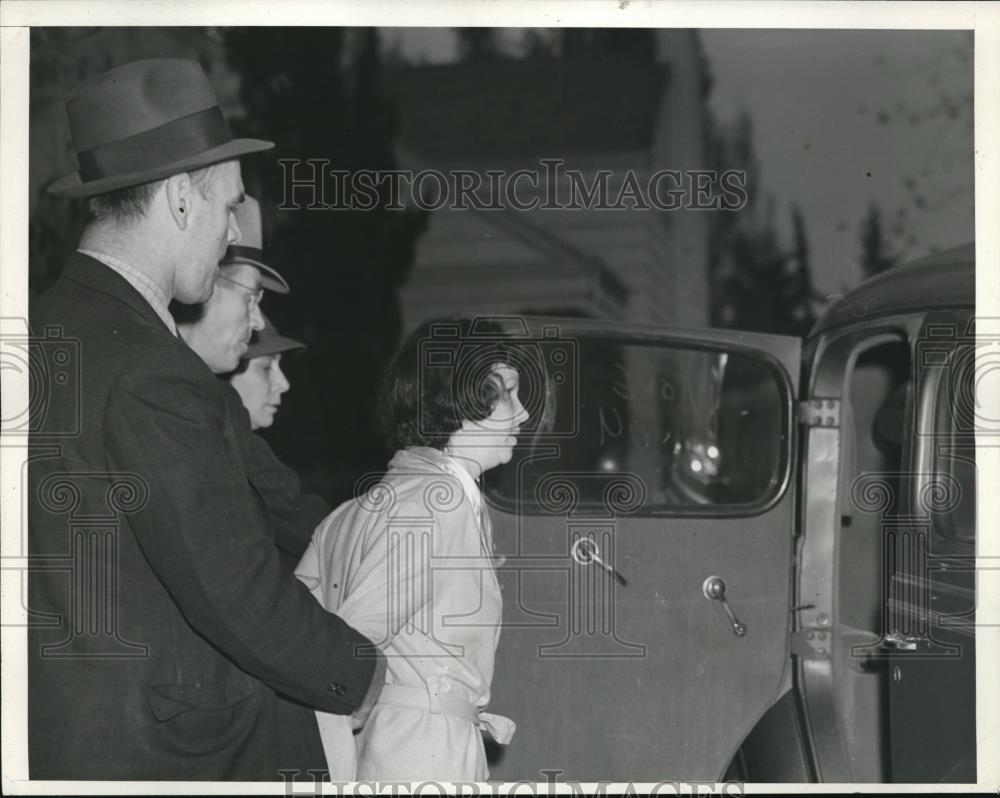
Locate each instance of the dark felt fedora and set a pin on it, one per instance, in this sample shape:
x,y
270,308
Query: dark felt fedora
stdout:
x,y
250,250
144,121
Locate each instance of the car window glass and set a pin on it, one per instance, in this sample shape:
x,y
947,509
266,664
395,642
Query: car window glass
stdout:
x,y
649,428
955,453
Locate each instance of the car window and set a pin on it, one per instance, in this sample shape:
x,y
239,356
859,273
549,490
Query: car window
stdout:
x,y
954,508
654,428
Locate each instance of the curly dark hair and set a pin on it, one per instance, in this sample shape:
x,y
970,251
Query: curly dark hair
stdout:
x,y
441,376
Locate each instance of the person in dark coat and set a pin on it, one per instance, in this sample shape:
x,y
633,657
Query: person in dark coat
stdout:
x,y
162,629
222,332
260,382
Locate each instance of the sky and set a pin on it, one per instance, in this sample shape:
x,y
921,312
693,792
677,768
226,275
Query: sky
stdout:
x,y
844,118
841,119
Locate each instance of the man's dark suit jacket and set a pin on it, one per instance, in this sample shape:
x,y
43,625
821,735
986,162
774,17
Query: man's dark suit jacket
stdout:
x,y
165,640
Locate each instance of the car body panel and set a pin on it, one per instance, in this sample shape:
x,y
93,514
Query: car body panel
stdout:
x,y
943,280
649,681
863,723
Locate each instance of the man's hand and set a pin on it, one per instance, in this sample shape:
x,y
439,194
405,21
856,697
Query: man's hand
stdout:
x,y
360,715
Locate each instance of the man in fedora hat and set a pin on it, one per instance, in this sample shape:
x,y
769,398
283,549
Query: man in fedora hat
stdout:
x,y
220,332
163,629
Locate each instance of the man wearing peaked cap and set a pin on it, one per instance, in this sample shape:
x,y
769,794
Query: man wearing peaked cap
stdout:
x,y
250,249
219,330
164,631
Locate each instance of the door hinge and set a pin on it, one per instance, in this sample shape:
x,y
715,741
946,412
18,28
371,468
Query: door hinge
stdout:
x,y
812,643
820,413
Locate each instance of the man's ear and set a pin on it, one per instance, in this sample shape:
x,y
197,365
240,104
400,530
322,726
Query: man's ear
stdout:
x,y
179,195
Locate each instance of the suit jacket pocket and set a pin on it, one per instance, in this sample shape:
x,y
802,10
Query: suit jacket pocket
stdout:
x,y
195,714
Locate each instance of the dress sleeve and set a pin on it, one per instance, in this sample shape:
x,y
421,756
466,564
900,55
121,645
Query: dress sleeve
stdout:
x,y
380,564
392,584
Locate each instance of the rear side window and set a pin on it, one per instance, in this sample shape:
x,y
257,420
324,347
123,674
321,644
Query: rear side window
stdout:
x,y
954,511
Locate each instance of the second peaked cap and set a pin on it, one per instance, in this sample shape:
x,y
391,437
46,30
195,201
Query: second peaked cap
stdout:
x,y
250,250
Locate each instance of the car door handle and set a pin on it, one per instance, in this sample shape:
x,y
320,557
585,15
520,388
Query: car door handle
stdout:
x,y
714,589
585,551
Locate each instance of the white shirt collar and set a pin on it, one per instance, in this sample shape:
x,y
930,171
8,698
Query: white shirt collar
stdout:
x,y
454,467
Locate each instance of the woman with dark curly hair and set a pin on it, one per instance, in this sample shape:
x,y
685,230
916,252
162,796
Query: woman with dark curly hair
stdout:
x,y
409,562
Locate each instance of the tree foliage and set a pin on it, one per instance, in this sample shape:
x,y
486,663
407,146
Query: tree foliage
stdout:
x,y
600,43
573,44
755,282
477,44
875,254
316,93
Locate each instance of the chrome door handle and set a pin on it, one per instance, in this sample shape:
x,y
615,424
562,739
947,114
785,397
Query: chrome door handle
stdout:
x,y
584,551
714,589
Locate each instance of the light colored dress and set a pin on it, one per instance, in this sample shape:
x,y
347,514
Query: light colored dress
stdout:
x,y
409,565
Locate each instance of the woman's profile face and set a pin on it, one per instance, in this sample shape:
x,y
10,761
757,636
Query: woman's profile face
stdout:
x,y
490,442
260,386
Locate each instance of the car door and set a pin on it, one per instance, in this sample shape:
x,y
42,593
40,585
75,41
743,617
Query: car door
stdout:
x,y
644,533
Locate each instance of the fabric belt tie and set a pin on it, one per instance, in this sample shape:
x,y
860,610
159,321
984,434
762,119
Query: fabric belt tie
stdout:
x,y
498,727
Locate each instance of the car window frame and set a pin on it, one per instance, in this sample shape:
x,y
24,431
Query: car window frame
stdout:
x,y
788,424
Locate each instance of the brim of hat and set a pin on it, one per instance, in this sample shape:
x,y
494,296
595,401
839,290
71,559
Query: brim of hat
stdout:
x,y
269,277
275,345
73,186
